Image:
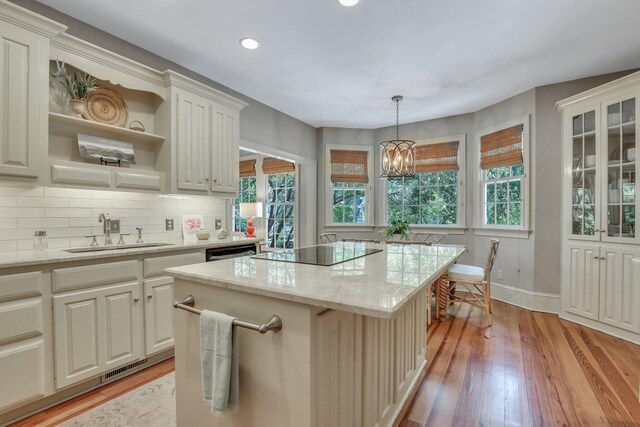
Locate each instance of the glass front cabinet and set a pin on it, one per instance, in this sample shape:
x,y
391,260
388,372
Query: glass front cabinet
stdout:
x,y
600,283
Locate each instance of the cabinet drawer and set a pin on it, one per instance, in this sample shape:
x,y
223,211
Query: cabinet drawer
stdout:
x,y
23,285
156,266
21,319
22,366
87,276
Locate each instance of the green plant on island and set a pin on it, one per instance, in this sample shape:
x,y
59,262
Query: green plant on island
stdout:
x,y
77,86
398,227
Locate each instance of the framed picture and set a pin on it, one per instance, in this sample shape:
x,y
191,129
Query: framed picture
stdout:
x,y
190,225
106,150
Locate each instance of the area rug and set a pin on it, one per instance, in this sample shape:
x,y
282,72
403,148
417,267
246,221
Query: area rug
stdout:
x,y
151,405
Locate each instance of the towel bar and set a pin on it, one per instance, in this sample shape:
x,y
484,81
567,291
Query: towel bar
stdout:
x,y
274,324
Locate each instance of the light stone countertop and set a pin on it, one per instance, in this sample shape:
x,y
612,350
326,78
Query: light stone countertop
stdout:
x,y
53,256
375,285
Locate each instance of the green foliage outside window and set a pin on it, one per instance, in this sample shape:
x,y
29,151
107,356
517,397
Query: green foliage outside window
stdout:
x,y
280,202
430,198
246,194
503,195
349,202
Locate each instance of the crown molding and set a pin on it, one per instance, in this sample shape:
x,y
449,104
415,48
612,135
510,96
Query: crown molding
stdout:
x,y
29,20
174,79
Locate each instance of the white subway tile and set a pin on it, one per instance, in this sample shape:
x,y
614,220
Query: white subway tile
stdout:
x,y
21,191
83,222
67,192
7,201
44,223
90,203
42,202
8,246
7,223
113,213
21,212
68,212
17,234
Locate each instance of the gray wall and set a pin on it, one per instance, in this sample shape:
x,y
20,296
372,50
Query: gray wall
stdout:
x,y
258,122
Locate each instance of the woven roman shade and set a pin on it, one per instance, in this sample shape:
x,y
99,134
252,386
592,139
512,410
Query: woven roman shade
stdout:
x,y
271,165
247,168
349,166
437,157
501,148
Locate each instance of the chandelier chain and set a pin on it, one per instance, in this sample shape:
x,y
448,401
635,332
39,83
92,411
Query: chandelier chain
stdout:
x,y
397,119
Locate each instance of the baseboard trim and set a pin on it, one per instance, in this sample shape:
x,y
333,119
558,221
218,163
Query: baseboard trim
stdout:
x,y
602,327
534,301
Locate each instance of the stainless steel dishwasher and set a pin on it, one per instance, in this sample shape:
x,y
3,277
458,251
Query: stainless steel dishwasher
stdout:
x,y
217,254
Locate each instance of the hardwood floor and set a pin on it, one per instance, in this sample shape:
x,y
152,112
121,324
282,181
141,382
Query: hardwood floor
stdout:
x,y
527,369
57,414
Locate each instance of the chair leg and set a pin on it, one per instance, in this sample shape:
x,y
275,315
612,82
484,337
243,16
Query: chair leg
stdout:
x,y
487,304
442,296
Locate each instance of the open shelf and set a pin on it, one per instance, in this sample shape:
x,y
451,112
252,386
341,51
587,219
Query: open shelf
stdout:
x,y
74,125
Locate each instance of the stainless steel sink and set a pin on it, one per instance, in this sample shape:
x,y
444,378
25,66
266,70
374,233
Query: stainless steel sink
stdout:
x,y
116,247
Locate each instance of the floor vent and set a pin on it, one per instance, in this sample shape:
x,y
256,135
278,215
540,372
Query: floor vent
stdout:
x,y
135,366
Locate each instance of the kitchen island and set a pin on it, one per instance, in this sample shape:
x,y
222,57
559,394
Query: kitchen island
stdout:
x,y
353,339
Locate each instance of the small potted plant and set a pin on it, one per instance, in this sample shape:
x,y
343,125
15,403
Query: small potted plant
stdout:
x,y
76,86
396,228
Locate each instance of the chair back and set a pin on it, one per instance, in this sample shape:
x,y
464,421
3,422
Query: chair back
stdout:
x,y
361,240
493,253
328,238
431,237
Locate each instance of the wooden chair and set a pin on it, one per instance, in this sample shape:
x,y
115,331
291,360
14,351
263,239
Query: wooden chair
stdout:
x,y
475,280
328,238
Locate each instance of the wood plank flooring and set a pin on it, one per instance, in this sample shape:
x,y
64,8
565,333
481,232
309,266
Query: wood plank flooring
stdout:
x,y
74,407
527,369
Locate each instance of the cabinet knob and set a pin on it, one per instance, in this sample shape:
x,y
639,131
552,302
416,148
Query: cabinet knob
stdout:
x,y
136,299
149,296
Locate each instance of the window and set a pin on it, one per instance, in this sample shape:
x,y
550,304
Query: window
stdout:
x,y
349,189
503,175
280,202
247,193
434,196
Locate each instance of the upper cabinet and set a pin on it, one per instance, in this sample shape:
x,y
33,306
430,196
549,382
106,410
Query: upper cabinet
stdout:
x,y
184,134
205,131
600,129
24,56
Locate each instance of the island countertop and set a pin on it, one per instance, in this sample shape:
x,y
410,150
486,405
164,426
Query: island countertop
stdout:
x,y
375,285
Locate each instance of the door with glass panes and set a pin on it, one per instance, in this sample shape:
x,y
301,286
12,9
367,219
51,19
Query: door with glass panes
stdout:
x,y
620,168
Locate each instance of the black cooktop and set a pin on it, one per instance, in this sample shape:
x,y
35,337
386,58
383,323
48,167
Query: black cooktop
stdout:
x,y
320,255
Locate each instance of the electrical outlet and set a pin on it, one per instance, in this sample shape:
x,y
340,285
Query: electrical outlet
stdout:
x,y
500,274
115,226
168,224
218,223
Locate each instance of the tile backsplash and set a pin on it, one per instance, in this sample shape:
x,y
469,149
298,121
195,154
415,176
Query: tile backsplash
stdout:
x,y
70,214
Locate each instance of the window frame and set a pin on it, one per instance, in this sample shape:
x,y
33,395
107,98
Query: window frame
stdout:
x,y
460,203
369,188
523,229
233,204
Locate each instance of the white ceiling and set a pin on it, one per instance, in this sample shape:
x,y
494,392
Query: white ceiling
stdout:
x,y
329,65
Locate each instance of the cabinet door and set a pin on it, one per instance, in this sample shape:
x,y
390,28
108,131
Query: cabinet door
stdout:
x,y
23,367
158,314
619,186
581,154
193,142
23,108
620,288
225,150
584,280
95,331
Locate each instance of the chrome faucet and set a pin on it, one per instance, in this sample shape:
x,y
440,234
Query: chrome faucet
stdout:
x,y
107,228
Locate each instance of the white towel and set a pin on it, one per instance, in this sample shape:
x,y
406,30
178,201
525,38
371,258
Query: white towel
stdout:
x,y
219,362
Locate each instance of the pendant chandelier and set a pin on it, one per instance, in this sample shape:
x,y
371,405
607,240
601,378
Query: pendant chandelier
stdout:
x,y
398,155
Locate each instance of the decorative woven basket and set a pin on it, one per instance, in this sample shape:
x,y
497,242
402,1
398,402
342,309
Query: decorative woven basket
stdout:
x,y
104,105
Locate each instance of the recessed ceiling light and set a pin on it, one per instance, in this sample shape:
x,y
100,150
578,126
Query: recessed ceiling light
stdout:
x,y
348,3
249,43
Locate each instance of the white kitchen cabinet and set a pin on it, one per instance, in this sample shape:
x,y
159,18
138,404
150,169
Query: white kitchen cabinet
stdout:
x,y
600,207
193,141
96,330
205,135
158,312
23,367
225,154
24,62
584,280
